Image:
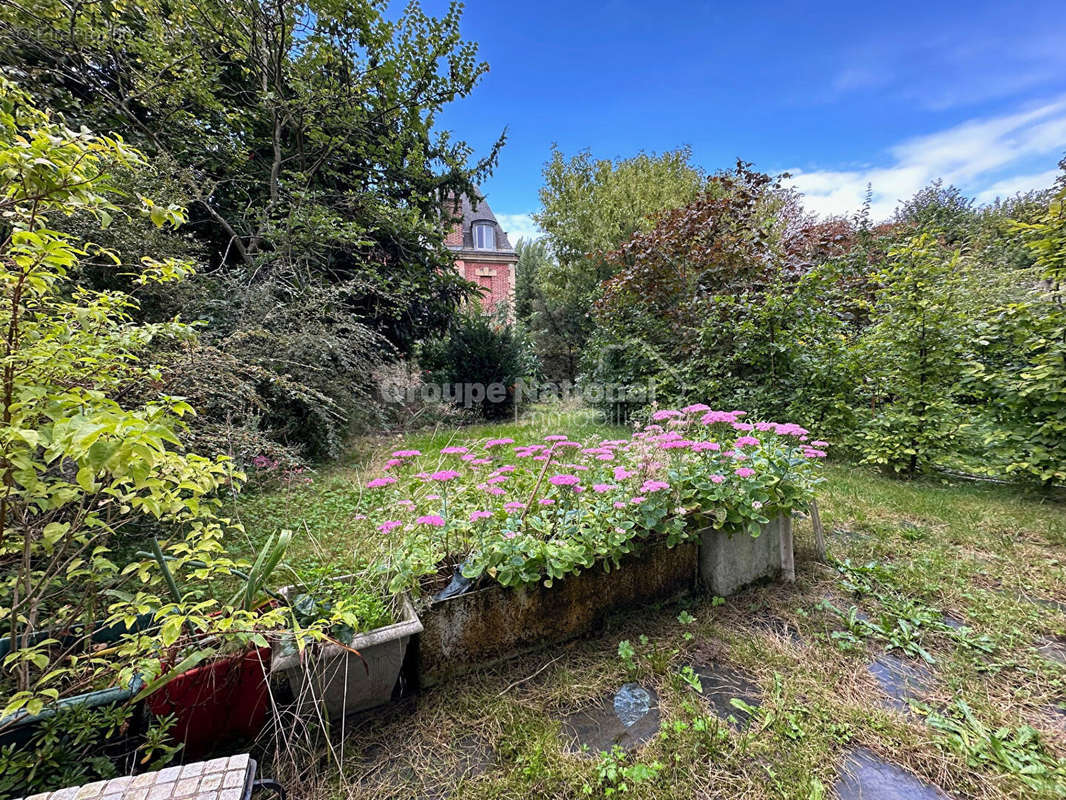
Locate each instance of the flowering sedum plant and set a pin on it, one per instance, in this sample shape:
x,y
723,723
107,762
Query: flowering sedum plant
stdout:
x,y
527,512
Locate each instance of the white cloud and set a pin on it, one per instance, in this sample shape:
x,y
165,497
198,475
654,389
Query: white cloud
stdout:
x,y
1017,183
973,156
519,226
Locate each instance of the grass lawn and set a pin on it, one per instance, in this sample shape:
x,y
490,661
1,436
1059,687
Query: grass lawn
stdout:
x,y
911,562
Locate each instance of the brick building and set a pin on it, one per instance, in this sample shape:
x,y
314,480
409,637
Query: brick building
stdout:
x,y
483,254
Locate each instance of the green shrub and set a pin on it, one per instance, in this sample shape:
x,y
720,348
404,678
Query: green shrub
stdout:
x,y
478,362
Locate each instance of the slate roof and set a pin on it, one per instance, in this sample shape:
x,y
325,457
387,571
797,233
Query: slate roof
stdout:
x,y
480,213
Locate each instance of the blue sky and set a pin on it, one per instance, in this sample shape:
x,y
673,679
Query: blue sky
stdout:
x,y
839,94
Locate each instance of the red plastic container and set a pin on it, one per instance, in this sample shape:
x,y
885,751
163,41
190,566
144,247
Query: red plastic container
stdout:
x,y
217,702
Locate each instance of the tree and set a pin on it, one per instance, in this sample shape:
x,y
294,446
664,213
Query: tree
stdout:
x,y
939,209
589,207
533,257
1021,377
697,302
302,137
80,462
909,359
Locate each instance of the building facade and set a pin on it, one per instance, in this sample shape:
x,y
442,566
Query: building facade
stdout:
x,y
483,254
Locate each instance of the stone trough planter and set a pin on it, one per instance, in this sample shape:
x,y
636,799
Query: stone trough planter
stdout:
x,y
490,625
731,560
343,682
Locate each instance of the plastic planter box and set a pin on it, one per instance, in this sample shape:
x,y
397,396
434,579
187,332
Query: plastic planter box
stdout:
x,y
343,682
731,560
18,728
217,702
489,625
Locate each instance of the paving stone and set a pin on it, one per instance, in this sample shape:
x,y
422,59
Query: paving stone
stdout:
x,y
220,779
900,680
1053,649
953,622
722,684
627,718
866,776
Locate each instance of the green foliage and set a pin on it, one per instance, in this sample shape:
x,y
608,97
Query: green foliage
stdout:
x,y
1014,751
589,207
615,775
1021,371
699,301
909,356
90,458
302,137
480,359
543,512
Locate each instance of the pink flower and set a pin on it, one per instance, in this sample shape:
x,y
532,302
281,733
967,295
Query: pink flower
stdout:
x,y
659,416
389,525
637,500
744,472
406,503
654,486
605,457
493,490
377,483
746,440
711,417
476,515
700,447
619,504
546,501
819,443
600,488
621,473
696,408
717,478
566,444
496,479
433,497
444,475
810,452
743,426
480,462
432,519
506,469
510,535
555,437
393,462
453,451
675,444
756,505
406,453
498,442
514,505
564,480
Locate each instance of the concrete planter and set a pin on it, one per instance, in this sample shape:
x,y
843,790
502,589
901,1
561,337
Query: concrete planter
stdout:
x,y
342,682
731,560
493,624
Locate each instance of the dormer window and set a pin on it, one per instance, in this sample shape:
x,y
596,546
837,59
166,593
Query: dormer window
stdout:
x,y
484,236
